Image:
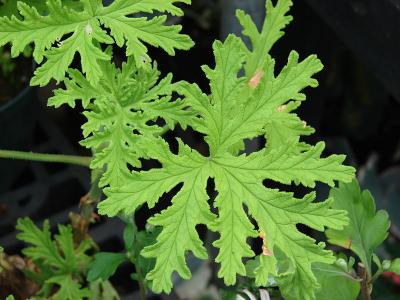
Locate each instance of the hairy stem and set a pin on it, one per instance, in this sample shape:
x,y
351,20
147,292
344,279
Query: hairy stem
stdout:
x,y
81,221
365,288
50,158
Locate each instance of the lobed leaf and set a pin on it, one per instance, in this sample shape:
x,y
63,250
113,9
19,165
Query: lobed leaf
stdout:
x,y
367,228
59,260
122,109
63,32
241,106
104,265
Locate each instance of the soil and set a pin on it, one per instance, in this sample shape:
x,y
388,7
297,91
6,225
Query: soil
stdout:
x,y
13,84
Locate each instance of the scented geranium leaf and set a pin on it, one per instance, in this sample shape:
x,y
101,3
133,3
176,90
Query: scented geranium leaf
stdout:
x,y
60,253
69,289
62,32
286,127
367,228
335,283
128,6
281,165
43,247
59,260
262,42
189,208
120,109
76,88
262,101
104,265
234,227
103,290
9,7
240,106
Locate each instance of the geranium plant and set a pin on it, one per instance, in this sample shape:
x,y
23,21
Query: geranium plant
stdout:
x,y
123,104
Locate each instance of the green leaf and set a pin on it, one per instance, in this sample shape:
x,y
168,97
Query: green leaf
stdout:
x,y
276,20
58,259
10,297
179,234
104,265
335,283
395,266
10,8
287,127
68,288
60,252
103,290
367,228
120,109
240,107
43,247
62,32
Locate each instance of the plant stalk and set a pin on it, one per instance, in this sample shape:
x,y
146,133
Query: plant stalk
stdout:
x,y
81,221
363,275
83,161
134,258
142,288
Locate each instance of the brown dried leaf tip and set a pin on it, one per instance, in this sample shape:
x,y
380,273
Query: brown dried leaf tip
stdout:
x,y
281,108
265,250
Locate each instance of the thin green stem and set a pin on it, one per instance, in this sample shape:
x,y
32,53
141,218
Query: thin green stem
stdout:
x,y
50,158
142,288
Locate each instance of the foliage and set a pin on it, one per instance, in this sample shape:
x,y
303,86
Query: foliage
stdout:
x,y
366,231
120,108
65,31
128,109
59,261
367,228
105,264
338,281
240,107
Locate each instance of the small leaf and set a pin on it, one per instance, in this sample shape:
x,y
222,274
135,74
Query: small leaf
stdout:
x,y
367,228
335,283
68,288
395,266
242,105
103,290
61,32
104,265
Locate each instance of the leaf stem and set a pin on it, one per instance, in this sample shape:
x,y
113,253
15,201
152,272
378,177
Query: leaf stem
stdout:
x,y
83,161
134,259
81,221
363,275
142,288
